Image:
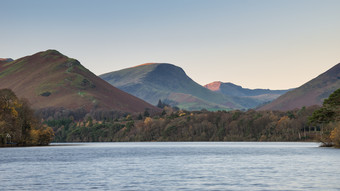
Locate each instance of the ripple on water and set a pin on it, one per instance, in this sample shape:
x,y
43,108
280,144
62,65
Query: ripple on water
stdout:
x,y
171,166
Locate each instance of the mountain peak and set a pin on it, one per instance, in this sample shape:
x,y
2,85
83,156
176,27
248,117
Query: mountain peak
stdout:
x,y
50,52
48,58
214,86
5,60
151,63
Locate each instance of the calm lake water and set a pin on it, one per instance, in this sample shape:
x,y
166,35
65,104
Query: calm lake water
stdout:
x,y
171,166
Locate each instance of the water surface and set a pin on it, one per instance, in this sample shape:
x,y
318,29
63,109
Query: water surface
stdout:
x,y
171,166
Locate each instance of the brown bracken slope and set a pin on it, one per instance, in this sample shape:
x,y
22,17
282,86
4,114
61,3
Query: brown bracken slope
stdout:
x,y
50,79
311,93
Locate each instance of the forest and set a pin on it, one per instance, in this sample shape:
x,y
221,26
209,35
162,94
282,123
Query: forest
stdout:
x,y
172,124
181,125
306,124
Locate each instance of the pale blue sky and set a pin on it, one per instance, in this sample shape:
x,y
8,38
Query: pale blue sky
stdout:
x,y
273,44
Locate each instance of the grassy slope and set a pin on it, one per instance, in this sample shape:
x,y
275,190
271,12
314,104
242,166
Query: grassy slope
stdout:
x,y
311,93
69,84
152,82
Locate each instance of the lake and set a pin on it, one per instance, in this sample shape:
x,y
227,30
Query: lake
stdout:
x,y
171,166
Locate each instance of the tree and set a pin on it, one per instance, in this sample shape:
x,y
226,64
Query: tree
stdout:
x,y
328,113
9,104
335,135
146,113
17,120
26,120
160,104
140,117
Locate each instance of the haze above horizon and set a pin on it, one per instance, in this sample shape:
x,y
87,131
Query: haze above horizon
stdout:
x,y
256,44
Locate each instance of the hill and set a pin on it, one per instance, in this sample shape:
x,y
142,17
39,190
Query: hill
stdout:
x,y
311,93
50,79
5,60
251,97
154,81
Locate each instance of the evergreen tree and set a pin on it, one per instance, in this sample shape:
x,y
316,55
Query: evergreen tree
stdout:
x,y
140,117
146,113
160,104
328,118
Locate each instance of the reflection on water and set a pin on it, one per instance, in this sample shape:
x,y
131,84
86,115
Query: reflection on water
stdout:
x,y
171,166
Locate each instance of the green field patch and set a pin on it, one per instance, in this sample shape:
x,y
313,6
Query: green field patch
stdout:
x,y
71,64
82,94
89,97
46,89
198,106
77,81
82,68
14,68
82,83
50,53
69,70
7,64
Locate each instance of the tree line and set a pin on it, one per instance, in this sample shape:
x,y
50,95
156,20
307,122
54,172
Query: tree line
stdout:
x,y
179,125
306,124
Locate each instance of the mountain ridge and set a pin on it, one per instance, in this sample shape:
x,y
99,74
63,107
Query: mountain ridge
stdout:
x,y
255,97
5,60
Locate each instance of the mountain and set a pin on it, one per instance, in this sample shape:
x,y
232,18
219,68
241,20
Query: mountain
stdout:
x,y
311,93
251,97
154,81
5,60
50,79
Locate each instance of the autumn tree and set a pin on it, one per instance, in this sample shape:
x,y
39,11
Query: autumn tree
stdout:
x,y
18,122
9,115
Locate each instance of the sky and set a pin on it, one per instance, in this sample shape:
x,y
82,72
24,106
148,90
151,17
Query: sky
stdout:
x,y
275,44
